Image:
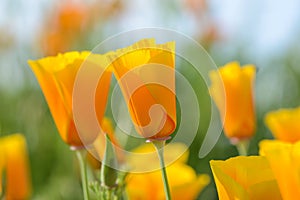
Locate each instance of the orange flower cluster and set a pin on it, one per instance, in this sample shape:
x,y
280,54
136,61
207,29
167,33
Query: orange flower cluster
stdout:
x,y
274,174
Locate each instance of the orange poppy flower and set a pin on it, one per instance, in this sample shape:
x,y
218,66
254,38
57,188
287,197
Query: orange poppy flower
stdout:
x,y
146,75
14,158
284,124
56,76
245,178
284,159
237,105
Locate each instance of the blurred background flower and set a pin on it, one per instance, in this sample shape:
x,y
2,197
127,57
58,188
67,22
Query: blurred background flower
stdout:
x,y
263,33
14,164
232,89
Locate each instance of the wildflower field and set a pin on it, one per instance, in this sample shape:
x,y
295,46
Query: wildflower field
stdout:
x,y
149,100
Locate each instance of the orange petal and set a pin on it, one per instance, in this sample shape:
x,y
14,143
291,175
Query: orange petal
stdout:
x,y
146,75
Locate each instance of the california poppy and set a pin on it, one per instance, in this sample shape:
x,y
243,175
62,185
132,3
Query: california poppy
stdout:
x,y
237,105
56,76
146,75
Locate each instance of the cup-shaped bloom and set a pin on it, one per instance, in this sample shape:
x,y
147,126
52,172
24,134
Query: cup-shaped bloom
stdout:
x,y
145,72
236,103
247,178
183,181
284,159
56,76
284,124
14,158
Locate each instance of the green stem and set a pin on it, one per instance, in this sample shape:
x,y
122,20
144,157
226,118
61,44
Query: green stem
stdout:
x,y
83,173
159,146
242,147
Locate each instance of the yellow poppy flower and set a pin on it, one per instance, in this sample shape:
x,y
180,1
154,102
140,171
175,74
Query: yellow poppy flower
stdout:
x,y
146,75
56,76
284,124
245,178
183,181
236,106
284,159
14,160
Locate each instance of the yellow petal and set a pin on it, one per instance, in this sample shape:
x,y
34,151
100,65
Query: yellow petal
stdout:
x,y
245,178
284,124
284,159
140,157
183,182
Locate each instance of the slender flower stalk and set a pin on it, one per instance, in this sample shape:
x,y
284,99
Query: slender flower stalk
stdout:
x,y
83,173
242,147
159,146
109,174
